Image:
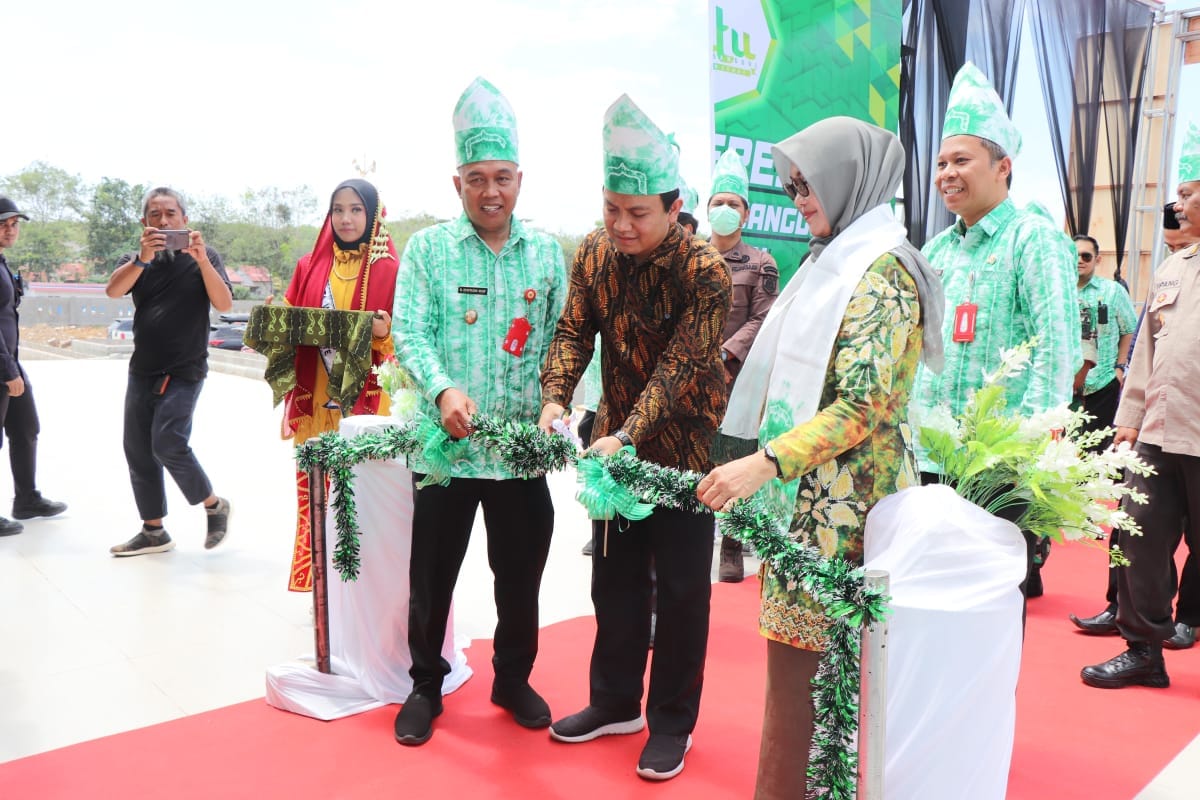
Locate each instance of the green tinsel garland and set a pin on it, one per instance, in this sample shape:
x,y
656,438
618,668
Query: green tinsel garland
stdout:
x,y
622,481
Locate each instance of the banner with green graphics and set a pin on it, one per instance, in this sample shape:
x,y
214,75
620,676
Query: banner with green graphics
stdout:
x,y
781,65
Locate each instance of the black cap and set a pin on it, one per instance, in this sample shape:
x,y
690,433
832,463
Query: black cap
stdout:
x,y
9,209
1170,221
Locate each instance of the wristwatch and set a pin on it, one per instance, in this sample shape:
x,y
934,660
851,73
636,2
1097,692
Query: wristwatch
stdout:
x,y
623,438
1122,367
769,452
137,260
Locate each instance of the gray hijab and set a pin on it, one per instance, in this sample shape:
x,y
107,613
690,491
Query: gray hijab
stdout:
x,y
853,167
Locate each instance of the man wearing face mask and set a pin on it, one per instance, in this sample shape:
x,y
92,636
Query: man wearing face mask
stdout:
x,y
755,275
755,287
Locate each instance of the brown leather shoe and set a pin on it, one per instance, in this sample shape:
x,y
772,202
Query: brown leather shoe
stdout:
x,y
732,569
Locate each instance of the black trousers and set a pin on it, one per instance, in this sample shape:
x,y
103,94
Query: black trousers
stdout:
x,y
1101,404
680,546
1147,586
21,428
158,428
1187,604
519,518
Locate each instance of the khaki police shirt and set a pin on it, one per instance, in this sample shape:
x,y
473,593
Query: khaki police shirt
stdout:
x,y
1161,397
755,287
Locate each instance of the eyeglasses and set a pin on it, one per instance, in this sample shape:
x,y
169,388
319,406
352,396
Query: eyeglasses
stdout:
x,y
1086,257
796,186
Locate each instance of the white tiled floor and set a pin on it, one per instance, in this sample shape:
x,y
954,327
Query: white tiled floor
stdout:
x,y
91,645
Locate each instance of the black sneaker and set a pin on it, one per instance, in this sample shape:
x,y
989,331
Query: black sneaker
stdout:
x,y
37,506
592,723
145,542
10,527
414,723
527,706
662,757
218,523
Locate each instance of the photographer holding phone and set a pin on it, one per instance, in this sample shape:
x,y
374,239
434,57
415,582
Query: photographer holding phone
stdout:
x,y
18,414
174,278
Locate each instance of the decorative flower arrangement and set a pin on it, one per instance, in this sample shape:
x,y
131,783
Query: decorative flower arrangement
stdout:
x,y
1040,464
399,385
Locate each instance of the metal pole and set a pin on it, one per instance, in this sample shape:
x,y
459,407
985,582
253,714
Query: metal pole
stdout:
x,y
316,517
872,699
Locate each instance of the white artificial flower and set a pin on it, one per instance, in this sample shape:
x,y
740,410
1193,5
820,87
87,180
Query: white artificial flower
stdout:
x,y
941,420
1123,457
404,405
1013,361
1059,457
1041,424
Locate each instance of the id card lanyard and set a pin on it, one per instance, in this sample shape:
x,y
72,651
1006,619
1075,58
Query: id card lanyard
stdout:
x,y
964,315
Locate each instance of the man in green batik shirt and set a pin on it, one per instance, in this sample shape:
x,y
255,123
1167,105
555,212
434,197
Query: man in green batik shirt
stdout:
x,y
1009,276
477,299
1111,322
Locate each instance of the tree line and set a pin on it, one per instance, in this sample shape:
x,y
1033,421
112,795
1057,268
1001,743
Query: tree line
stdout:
x,y
74,222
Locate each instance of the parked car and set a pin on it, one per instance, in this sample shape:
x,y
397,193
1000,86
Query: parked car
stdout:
x,y
234,318
121,328
226,337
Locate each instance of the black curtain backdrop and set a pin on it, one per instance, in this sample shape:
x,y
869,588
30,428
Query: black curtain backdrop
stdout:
x,y
1092,57
939,37
1070,58
1130,28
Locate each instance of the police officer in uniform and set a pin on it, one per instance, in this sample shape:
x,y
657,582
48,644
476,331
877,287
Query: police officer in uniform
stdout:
x,y
755,287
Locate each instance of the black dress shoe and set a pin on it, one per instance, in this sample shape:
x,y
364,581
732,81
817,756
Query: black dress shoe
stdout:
x,y
414,723
1140,665
1185,637
527,706
37,506
10,527
1103,624
1033,585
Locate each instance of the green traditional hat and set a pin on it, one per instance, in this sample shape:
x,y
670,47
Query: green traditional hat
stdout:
x,y
729,175
1189,158
485,128
688,195
638,157
975,109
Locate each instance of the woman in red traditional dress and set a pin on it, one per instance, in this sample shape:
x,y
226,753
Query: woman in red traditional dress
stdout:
x,y
352,267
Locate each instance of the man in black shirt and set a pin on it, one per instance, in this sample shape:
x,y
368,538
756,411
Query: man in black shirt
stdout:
x,y
173,284
18,414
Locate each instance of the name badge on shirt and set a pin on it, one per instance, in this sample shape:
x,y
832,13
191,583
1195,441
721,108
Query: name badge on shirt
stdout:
x,y
472,290
518,334
964,322
1165,295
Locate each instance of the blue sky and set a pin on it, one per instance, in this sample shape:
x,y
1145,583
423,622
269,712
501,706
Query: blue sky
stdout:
x,y
271,93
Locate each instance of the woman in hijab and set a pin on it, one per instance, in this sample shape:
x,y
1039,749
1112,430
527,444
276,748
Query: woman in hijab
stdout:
x,y
824,391
352,267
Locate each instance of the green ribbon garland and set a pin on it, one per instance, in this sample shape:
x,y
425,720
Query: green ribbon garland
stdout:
x,y
622,484
605,498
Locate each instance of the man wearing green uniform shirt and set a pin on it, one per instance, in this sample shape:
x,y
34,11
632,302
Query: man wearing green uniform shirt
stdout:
x,y
1111,322
476,303
1009,276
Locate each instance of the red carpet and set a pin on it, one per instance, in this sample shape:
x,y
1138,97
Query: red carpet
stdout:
x,y
1072,741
